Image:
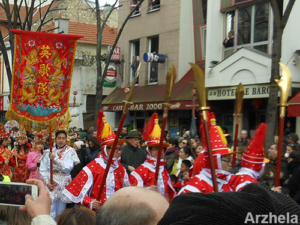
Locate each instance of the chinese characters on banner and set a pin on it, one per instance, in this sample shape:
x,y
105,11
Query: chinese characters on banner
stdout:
x,y
42,74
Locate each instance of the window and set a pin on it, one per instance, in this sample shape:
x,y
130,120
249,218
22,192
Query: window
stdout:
x,y
153,66
253,25
250,26
133,5
154,4
134,58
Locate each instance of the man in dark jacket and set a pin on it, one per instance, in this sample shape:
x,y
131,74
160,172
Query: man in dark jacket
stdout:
x,y
93,150
132,154
293,183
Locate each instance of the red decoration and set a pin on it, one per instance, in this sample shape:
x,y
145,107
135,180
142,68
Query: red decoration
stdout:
x,y
254,157
42,75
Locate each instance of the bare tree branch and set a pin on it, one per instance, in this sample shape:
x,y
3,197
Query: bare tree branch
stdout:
x,y
8,13
45,15
101,76
27,15
108,15
40,4
287,13
52,10
5,57
19,14
15,13
40,10
52,29
29,23
118,37
51,19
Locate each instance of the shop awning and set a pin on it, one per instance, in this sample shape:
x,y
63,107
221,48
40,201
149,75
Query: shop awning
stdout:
x,y
151,97
294,106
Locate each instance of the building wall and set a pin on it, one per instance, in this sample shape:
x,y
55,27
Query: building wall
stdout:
x,y
250,67
186,38
164,22
290,43
84,82
76,10
214,35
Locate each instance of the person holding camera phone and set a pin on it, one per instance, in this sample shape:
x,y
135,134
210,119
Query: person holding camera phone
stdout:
x,y
64,159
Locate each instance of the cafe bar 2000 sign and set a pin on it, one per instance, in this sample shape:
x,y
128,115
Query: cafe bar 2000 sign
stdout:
x,y
136,107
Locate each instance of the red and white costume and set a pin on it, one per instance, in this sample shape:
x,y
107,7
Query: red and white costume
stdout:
x,y
65,159
144,175
202,182
85,187
253,161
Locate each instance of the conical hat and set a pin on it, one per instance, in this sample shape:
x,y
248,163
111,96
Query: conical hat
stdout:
x,y
217,138
105,134
152,132
254,156
218,143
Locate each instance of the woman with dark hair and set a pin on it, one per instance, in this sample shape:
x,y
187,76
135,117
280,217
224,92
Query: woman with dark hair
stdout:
x,y
184,154
171,153
93,150
19,158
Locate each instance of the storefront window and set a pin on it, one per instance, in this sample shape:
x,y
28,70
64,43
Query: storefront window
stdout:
x,y
153,66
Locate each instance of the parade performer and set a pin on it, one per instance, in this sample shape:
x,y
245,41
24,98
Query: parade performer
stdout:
x,y
222,159
18,161
64,159
144,175
34,157
84,188
253,161
5,155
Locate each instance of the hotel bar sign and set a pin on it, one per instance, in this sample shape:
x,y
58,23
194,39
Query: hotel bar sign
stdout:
x,y
227,93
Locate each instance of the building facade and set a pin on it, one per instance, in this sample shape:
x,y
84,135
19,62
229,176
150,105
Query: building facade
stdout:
x,y
238,50
158,27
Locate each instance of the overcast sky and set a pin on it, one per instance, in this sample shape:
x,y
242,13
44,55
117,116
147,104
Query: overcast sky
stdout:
x,y
103,2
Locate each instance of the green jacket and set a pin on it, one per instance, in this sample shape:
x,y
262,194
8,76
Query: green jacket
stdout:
x,y
132,156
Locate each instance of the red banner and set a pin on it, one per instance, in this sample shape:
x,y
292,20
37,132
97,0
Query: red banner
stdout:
x,y
42,74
